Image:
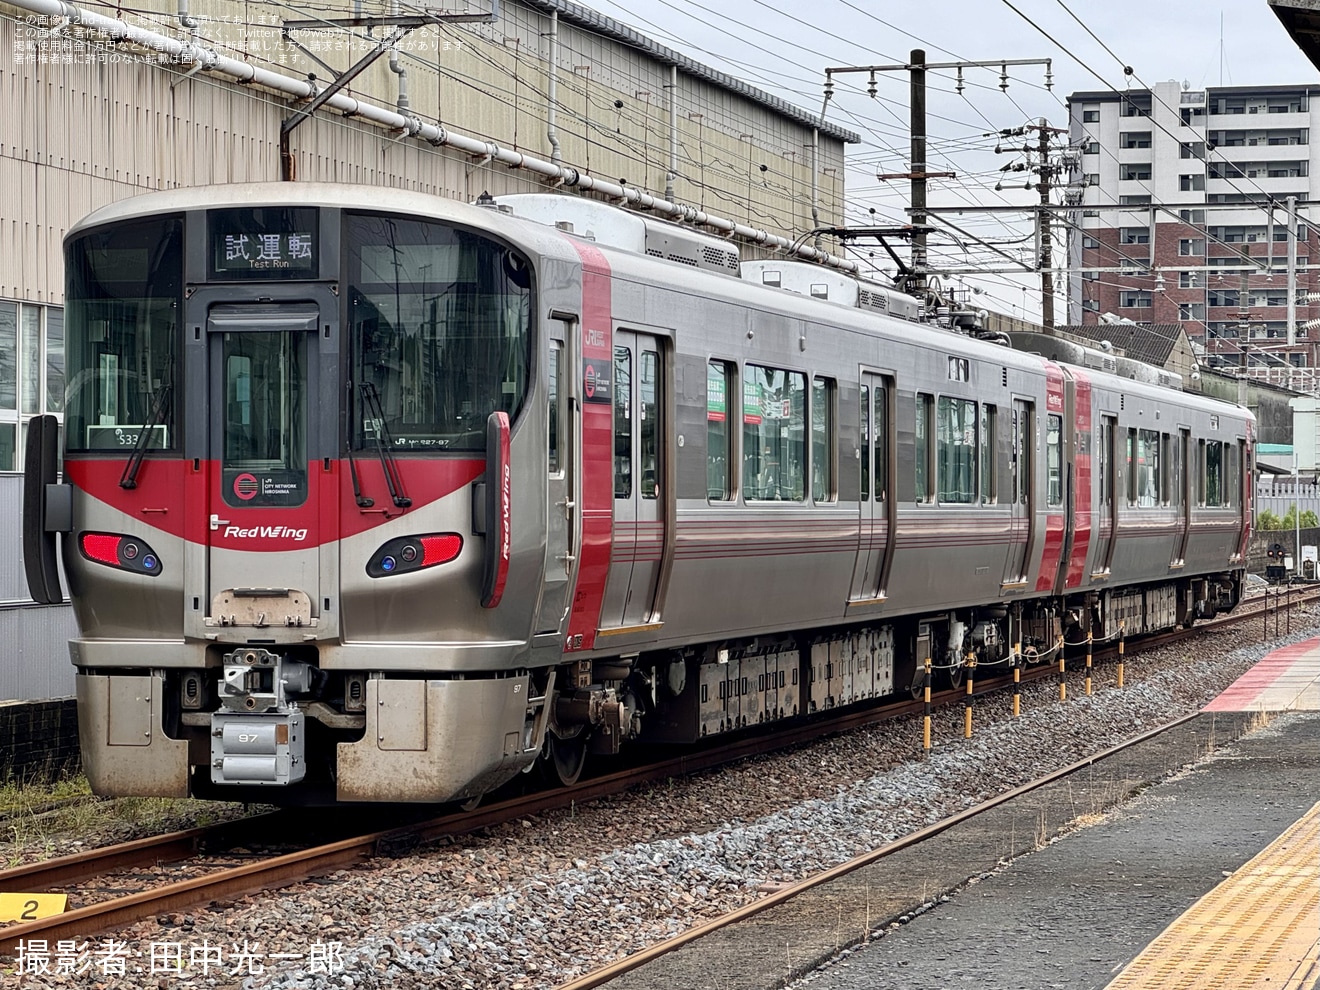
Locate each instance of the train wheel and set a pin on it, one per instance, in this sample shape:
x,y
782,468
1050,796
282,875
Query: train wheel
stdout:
x,y
956,676
564,759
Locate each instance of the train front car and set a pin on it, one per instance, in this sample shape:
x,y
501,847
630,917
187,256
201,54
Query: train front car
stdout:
x,y
301,559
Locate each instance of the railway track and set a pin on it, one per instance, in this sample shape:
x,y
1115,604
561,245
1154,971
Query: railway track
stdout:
x,y
208,851
637,960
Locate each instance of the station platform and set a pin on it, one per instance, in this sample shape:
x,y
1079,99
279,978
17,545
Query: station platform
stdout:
x,y
1198,879
1288,679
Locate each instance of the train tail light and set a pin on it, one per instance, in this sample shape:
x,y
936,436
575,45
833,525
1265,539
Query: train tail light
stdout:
x,y
413,553
128,553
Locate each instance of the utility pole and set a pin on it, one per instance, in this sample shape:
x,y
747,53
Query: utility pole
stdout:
x,y
918,171
1047,170
1046,278
917,167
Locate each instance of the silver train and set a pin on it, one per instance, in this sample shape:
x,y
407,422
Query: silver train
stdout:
x,y
372,496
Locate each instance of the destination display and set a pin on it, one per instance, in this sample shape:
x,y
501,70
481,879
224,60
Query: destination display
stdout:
x,y
263,242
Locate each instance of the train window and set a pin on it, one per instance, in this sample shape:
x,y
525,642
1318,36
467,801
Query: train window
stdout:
x,y
986,432
265,418
649,441
718,435
921,444
440,324
1228,490
1199,478
1214,473
864,452
823,442
1148,468
125,287
956,450
1054,460
1132,467
774,432
622,422
556,356
880,440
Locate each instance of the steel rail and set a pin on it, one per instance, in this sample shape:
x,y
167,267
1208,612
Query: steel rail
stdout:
x,y
638,959
291,867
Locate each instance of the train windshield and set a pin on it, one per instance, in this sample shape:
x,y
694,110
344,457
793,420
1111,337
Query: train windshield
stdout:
x,y
124,286
441,331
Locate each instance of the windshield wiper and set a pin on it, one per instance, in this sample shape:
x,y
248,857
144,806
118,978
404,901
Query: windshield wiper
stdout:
x,y
381,434
129,478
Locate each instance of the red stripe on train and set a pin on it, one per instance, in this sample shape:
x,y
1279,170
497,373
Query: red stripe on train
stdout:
x,y
597,450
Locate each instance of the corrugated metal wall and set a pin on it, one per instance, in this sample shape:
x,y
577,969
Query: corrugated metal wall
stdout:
x,y
84,129
78,134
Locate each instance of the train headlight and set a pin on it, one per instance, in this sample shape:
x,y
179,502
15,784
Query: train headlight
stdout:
x,y
414,553
128,553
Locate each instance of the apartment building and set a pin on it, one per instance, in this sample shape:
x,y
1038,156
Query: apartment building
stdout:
x,y
1181,216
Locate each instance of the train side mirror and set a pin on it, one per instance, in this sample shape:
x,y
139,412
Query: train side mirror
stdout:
x,y
47,510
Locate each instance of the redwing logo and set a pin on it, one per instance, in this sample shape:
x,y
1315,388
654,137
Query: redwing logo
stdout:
x,y
245,486
266,532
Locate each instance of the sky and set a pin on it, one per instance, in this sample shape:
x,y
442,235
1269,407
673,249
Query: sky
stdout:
x,y
783,47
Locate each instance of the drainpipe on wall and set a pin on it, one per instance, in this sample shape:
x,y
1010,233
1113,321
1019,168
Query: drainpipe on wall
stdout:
x,y
672,174
552,100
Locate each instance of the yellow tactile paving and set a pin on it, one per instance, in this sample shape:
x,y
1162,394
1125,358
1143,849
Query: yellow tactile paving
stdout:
x,y
1260,928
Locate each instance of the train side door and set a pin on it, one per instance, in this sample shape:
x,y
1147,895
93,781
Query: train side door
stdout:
x,y
562,498
269,475
639,481
1021,489
1107,519
873,496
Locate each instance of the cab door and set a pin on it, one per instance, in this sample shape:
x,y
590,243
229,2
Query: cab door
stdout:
x,y
267,480
640,536
562,497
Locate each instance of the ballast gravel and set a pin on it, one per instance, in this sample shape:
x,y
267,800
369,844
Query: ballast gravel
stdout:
x,y
539,901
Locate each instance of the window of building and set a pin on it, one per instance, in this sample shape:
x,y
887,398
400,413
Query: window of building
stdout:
x,y
1223,297
719,379
31,372
1186,280
1191,149
1193,247
1134,139
1091,305
1135,300
1134,235
1191,311
1191,183
774,434
1089,241
1192,216
1091,276
1091,116
1091,147
1135,200
1091,179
